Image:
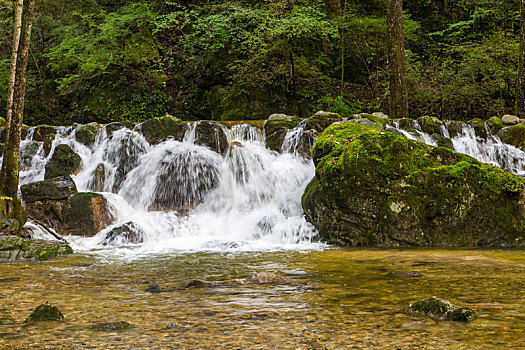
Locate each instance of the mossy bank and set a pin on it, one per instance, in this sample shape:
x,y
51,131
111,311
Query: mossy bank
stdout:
x,y
376,188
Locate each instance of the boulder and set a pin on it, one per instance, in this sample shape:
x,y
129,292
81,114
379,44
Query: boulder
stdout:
x,y
406,124
63,162
212,135
508,119
48,144
87,134
275,129
157,130
455,128
368,122
54,189
99,178
479,127
443,141
128,233
42,131
376,188
430,125
495,125
45,312
28,152
321,120
17,248
112,127
441,309
513,135
84,214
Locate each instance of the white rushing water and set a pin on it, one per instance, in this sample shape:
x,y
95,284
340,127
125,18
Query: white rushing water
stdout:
x,y
179,196
487,149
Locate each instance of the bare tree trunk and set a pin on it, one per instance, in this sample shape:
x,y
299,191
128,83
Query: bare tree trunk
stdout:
x,y
396,59
520,101
19,4
12,147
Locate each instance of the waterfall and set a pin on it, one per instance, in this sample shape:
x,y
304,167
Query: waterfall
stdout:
x,y
486,148
180,195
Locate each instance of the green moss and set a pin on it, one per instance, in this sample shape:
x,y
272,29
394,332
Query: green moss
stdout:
x,y
374,187
16,248
513,135
45,312
495,124
159,129
86,134
430,125
63,162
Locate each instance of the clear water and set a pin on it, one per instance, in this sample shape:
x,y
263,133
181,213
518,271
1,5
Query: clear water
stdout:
x,y
342,299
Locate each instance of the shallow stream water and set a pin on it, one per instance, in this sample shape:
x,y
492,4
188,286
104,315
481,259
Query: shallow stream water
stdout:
x,y
342,299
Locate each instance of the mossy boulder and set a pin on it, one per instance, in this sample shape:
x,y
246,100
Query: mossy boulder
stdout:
x,y
513,135
430,125
368,122
156,130
455,128
376,188
212,135
17,248
63,162
321,120
495,125
441,309
406,124
479,127
53,189
45,312
87,134
112,127
84,214
275,129
42,131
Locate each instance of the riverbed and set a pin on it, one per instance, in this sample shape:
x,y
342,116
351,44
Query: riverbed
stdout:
x,y
340,299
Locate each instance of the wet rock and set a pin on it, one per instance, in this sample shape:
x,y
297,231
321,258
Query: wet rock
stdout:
x,y
43,131
52,189
87,134
455,128
406,274
112,127
63,162
495,125
321,120
128,233
508,119
479,127
443,141
99,177
441,309
212,135
156,130
375,188
275,129
17,248
29,152
199,283
84,214
48,144
513,135
8,280
430,125
268,278
235,145
406,124
45,312
154,288
111,326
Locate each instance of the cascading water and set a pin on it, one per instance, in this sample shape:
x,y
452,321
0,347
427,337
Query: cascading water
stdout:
x,y
183,196
487,149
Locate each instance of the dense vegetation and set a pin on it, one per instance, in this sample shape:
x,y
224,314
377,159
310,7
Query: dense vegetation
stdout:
x,y
102,60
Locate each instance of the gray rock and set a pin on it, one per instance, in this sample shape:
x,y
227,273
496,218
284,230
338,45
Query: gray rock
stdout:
x,y
55,189
510,119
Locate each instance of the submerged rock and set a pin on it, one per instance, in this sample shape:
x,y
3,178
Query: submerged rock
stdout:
x,y
87,134
375,188
441,309
212,135
5,317
124,234
84,214
63,162
54,189
275,129
111,326
156,130
17,248
45,312
268,278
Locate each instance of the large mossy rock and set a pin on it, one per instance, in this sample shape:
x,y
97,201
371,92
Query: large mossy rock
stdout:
x,y
275,129
52,189
63,162
376,188
87,134
45,312
84,214
17,248
513,135
42,131
157,130
321,120
430,125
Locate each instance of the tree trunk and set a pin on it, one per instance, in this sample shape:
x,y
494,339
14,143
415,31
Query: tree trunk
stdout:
x,y
12,147
18,6
520,101
342,14
396,59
